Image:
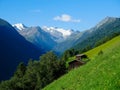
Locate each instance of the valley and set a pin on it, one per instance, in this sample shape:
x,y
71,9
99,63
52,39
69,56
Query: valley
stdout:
x,y
32,50
59,45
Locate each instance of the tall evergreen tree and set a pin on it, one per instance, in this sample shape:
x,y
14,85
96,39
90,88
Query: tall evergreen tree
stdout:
x,y
20,72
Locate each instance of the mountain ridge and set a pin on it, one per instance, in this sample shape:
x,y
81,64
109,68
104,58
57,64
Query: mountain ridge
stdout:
x,y
95,34
14,49
19,26
55,32
46,37
68,38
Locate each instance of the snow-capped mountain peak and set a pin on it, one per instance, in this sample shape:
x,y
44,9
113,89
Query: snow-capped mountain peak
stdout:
x,y
19,26
58,34
64,32
106,20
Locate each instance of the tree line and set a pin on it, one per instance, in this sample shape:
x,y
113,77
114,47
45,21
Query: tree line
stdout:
x,y
37,74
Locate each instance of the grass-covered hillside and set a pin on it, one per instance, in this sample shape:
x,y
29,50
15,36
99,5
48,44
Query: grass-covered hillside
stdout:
x,y
101,73
104,47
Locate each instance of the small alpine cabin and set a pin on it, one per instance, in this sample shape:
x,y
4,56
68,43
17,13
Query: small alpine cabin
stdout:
x,y
78,62
81,56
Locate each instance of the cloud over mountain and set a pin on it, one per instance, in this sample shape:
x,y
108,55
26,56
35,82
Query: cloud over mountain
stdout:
x,y
66,18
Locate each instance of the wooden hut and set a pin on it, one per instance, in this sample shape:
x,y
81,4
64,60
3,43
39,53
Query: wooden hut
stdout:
x,y
81,56
78,62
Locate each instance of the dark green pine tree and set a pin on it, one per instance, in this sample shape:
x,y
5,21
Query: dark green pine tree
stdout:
x,y
20,72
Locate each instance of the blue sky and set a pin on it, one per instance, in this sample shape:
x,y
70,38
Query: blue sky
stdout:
x,y
68,14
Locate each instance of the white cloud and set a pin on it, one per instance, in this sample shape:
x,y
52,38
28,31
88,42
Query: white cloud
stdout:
x,y
66,18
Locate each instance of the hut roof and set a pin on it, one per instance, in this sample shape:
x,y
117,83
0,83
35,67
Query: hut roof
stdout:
x,y
80,55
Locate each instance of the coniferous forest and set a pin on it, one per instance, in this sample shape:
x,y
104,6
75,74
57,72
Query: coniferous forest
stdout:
x,y
37,74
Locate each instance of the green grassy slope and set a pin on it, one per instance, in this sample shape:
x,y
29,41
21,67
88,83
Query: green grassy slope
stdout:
x,y
100,73
105,47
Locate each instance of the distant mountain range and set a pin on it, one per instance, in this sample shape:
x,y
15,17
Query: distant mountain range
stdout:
x,y
14,49
46,37
59,39
57,34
